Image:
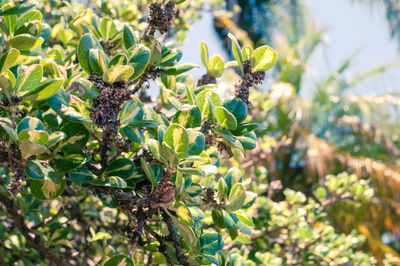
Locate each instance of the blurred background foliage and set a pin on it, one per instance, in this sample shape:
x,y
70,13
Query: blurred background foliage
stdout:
x,y
332,131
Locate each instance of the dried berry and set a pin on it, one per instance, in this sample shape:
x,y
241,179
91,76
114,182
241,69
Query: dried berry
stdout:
x,y
106,106
248,80
161,17
14,100
206,79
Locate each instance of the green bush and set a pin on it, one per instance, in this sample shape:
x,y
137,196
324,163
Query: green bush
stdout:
x,y
94,171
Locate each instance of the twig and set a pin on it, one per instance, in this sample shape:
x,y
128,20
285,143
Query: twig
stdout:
x,y
49,220
175,238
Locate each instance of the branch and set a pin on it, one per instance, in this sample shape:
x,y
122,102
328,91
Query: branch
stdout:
x,y
31,239
175,238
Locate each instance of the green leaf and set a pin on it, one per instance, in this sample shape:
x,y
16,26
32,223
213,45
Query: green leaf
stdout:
x,y
81,176
188,116
31,123
87,42
236,260
9,59
215,66
218,218
236,50
171,57
35,170
263,58
148,172
98,61
177,138
155,48
107,28
129,37
245,128
225,118
247,51
25,42
204,53
179,69
143,123
190,95
222,189
248,141
119,260
169,154
237,107
117,73
203,103
109,181
43,91
192,171
69,162
55,138
194,190
8,128
233,176
197,142
237,197
29,148
27,17
29,80
45,183
76,139
139,59
131,112
120,167
186,232
231,139
7,81
183,213
211,243
37,136
119,59
18,9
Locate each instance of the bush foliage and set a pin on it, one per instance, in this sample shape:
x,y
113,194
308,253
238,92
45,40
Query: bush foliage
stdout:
x,y
94,170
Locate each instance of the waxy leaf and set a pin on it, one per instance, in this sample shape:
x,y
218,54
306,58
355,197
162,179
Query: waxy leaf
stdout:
x,y
204,53
119,260
25,42
139,59
197,142
117,73
225,118
236,50
263,58
237,107
177,138
179,69
87,42
107,28
215,66
98,61
31,123
29,80
148,172
9,59
129,37
43,91
237,197
188,116
211,242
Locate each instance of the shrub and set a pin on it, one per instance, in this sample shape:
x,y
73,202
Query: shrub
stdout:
x,y
95,171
